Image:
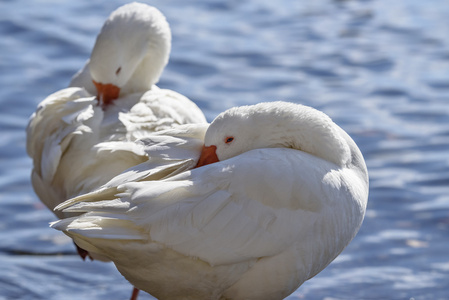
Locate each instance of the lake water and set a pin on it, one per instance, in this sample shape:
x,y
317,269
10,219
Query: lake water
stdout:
x,y
379,68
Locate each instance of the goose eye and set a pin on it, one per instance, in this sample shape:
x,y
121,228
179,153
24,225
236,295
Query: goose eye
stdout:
x,y
229,139
118,71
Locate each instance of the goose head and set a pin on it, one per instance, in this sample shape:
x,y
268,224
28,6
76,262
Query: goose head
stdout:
x,y
130,52
274,125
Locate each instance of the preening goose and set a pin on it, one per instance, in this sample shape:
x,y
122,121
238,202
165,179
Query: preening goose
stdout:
x,y
278,192
77,145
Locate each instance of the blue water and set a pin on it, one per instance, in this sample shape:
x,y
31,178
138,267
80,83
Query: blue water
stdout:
x,y
379,68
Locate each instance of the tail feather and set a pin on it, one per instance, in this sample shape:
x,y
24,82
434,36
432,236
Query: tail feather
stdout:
x,y
98,227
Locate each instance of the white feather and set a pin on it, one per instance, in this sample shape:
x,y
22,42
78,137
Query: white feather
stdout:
x,y
253,226
77,146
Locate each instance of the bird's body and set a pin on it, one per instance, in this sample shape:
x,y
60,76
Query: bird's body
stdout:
x,y
77,146
77,141
82,136
286,194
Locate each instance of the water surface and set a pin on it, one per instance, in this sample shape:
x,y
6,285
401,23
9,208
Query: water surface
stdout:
x,y
379,68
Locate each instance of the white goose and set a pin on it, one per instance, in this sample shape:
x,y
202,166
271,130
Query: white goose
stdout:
x,y
78,141
286,194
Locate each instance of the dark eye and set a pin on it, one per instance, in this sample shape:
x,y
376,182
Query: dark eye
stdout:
x,y
229,139
118,71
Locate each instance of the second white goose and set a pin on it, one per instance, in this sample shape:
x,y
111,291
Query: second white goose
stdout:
x,y
279,191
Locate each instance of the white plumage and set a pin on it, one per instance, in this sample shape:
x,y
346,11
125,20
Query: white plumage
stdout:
x,y
78,145
287,196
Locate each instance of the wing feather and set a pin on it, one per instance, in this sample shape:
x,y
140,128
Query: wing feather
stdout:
x,y
214,213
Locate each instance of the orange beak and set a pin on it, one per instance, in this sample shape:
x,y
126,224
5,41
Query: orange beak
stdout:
x,y
106,93
208,156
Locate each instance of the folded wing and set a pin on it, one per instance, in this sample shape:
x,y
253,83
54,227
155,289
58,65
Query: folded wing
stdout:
x,y
254,205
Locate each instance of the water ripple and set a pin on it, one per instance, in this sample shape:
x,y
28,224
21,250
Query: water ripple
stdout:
x,y
378,68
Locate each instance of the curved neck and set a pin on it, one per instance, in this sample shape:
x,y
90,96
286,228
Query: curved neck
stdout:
x,y
147,72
